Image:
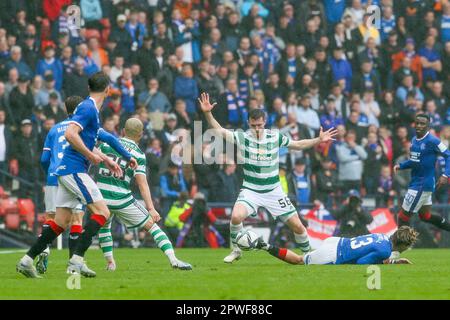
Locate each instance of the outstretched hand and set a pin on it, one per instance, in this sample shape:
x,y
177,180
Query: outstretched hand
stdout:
x,y
328,135
205,105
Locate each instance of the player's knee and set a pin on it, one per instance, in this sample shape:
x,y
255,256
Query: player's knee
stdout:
x,y
149,225
239,214
77,219
99,208
236,219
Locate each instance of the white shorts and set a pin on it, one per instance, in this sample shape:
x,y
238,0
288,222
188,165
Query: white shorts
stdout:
x,y
132,216
50,194
414,200
76,188
275,201
325,254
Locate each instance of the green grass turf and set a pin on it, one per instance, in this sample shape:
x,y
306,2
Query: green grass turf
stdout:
x,y
145,274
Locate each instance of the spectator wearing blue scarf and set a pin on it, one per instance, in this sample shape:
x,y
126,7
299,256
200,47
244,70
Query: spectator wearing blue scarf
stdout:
x,y
330,119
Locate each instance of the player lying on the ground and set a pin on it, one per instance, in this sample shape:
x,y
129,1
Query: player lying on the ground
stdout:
x,y
74,183
259,148
120,201
368,249
425,148
52,153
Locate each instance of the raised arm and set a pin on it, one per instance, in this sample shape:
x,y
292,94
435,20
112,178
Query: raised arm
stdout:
x,y
207,107
116,145
324,136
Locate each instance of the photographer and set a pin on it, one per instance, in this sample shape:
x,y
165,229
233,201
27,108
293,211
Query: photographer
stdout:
x,y
352,218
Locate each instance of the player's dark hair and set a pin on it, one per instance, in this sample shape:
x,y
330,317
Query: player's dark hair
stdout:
x,y
423,115
256,114
71,103
98,82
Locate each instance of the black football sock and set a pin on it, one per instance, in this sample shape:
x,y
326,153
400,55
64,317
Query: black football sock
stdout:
x,y
435,220
90,230
50,231
279,253
74,236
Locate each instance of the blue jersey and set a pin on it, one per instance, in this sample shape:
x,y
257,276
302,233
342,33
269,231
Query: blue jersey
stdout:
x,y
422,162
87,118
54,146
367,249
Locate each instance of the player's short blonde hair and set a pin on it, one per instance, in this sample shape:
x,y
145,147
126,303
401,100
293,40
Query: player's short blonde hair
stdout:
x,y
133,127
404,236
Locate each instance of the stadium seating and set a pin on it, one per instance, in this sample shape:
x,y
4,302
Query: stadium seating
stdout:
x,y
26,210
12,221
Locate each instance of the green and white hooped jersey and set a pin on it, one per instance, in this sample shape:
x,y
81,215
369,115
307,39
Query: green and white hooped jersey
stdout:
x,y
117,191
260,158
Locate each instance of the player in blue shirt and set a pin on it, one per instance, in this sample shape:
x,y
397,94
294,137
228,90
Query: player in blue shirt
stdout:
x,y
74,183
54,146
424,151
368,249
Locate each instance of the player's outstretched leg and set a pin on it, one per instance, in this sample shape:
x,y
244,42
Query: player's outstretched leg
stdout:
x,y
163,242
50,231
300,233
438,221
106,244
238,215
281,253
96,221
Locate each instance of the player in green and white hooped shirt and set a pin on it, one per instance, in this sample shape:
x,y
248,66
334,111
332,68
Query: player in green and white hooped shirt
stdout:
x,y
122,204
261,187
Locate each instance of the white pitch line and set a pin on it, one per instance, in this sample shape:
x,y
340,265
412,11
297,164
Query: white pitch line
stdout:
x,y
13,251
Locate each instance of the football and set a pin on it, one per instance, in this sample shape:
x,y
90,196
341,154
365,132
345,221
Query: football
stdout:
x,y
246,240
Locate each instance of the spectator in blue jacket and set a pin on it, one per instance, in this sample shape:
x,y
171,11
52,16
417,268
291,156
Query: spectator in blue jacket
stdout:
x,y
299,183
52,65
172,183
17,63
334,9
186,88
90,67
126,87
341,68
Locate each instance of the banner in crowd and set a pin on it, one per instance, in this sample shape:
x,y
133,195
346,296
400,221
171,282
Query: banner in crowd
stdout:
x,y
321,224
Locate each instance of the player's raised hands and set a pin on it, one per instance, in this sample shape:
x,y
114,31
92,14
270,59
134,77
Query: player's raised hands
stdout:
x,y
328,135
205,104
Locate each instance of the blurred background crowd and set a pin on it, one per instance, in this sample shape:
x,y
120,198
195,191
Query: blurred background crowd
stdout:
x,y
307,63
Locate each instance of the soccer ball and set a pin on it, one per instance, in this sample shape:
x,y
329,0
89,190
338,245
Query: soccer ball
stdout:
x,y
246,240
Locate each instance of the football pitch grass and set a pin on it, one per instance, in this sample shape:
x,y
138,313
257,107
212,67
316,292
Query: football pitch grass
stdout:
x,y
146,274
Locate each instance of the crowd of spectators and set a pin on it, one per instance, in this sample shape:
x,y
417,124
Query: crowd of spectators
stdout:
x,y
307,63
